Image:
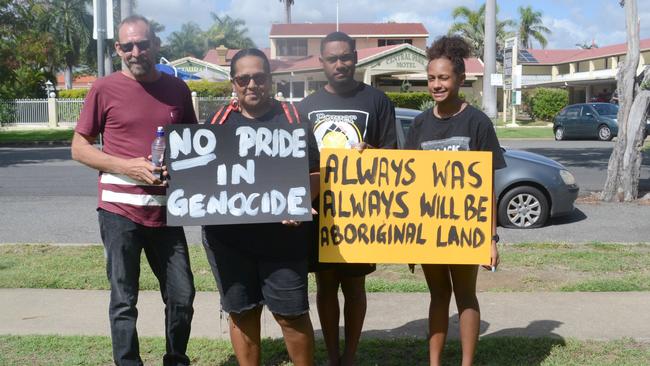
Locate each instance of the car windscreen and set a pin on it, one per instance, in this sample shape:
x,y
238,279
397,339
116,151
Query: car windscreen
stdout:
x,y
606,109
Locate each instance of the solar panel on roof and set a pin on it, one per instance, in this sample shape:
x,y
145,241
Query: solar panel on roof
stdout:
x,y
526,57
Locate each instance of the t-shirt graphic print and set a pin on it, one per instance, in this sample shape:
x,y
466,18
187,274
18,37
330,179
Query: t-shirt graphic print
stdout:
x,y
456,143
339,129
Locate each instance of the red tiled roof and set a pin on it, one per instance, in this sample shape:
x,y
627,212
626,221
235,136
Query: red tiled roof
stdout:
x,y
212,57
563,56
353,29
472,65
82,81
312,62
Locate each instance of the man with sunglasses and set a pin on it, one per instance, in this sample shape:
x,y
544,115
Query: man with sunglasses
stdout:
x,y
126,108
345,114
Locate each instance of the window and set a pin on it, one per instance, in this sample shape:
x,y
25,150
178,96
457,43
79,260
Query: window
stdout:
x,y
291,47
390,42
572,111
606,109
587,111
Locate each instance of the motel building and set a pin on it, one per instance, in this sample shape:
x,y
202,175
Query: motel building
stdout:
x,y
587,74
392,57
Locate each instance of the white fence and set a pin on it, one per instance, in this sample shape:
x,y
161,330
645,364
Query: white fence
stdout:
x,y
67,111
53,112
23,112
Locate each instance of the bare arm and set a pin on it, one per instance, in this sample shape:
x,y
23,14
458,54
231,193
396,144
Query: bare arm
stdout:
x,y
139,169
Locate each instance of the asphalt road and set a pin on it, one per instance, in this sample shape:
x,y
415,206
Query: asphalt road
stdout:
x,y
48,198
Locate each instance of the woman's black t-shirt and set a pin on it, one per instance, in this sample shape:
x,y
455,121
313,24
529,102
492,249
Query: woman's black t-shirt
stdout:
x,y
268,240
469,130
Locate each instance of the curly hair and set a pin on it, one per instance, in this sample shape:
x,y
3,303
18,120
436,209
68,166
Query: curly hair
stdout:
x,y
453,48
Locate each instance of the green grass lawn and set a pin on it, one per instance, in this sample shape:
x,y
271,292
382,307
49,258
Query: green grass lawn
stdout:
x,y
524,132
524,267
36,135
502,351
13,136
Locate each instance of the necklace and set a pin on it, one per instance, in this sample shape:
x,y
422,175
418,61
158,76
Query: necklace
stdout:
x,y
436,111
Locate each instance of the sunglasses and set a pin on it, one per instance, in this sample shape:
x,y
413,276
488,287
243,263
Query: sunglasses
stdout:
x,y
142,45
244,80
346,57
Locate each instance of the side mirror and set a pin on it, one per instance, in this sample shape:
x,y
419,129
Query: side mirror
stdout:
x,y
589,115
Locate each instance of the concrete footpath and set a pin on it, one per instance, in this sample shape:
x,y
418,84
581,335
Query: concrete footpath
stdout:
x,y
596,316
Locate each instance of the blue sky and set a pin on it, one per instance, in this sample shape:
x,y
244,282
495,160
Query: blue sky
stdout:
x,y
571,21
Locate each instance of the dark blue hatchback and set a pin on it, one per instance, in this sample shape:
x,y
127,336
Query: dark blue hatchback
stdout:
x,y
586,121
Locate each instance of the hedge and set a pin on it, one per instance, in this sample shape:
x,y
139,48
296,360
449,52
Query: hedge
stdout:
x,y
546,103
205,88
409,100
73,93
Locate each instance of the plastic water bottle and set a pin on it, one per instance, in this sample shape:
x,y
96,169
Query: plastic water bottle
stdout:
x,y
158,147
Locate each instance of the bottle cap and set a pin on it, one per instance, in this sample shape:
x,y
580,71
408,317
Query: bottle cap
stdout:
x,y
160,131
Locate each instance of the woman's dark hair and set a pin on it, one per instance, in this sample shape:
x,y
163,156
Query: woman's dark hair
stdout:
x,y
249,52
453,48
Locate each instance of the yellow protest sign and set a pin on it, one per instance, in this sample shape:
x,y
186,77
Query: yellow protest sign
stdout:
x,y
402,206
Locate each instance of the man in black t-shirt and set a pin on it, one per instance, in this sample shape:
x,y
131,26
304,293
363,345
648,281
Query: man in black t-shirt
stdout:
x,y
344,114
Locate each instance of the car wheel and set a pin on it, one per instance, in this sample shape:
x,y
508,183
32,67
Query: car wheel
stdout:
x,y
559,134
523,207
604,133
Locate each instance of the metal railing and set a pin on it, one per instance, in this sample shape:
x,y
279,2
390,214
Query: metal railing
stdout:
x,y
53,112
25,112
68,111
207,106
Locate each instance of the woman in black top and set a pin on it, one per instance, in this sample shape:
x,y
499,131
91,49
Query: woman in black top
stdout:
x,y
265,263
452,124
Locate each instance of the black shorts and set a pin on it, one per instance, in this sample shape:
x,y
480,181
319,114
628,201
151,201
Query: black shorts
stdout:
x,y
246,280
342,269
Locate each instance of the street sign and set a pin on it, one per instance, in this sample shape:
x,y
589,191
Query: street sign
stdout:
x,y
496,79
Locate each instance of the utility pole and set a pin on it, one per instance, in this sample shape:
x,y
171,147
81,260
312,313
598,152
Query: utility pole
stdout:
x,y
101,35
489,101
126,10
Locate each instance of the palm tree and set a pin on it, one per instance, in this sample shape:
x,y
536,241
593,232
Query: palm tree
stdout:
x,y
287,9
189,41
531,27
70,24
229,32
472,28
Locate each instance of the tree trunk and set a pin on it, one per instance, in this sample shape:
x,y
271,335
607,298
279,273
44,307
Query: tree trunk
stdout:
x,y
624,156
632,155
67,76
287,11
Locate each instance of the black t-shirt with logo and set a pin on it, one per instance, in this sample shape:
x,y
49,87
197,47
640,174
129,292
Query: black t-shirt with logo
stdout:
x,y
341,120
469,130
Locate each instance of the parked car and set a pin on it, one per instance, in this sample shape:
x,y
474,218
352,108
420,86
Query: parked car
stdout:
x,y
586,121
529,190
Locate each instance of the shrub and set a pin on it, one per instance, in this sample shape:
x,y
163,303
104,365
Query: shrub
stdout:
x,y
427,104
73,93
546,103
409,100
205,88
